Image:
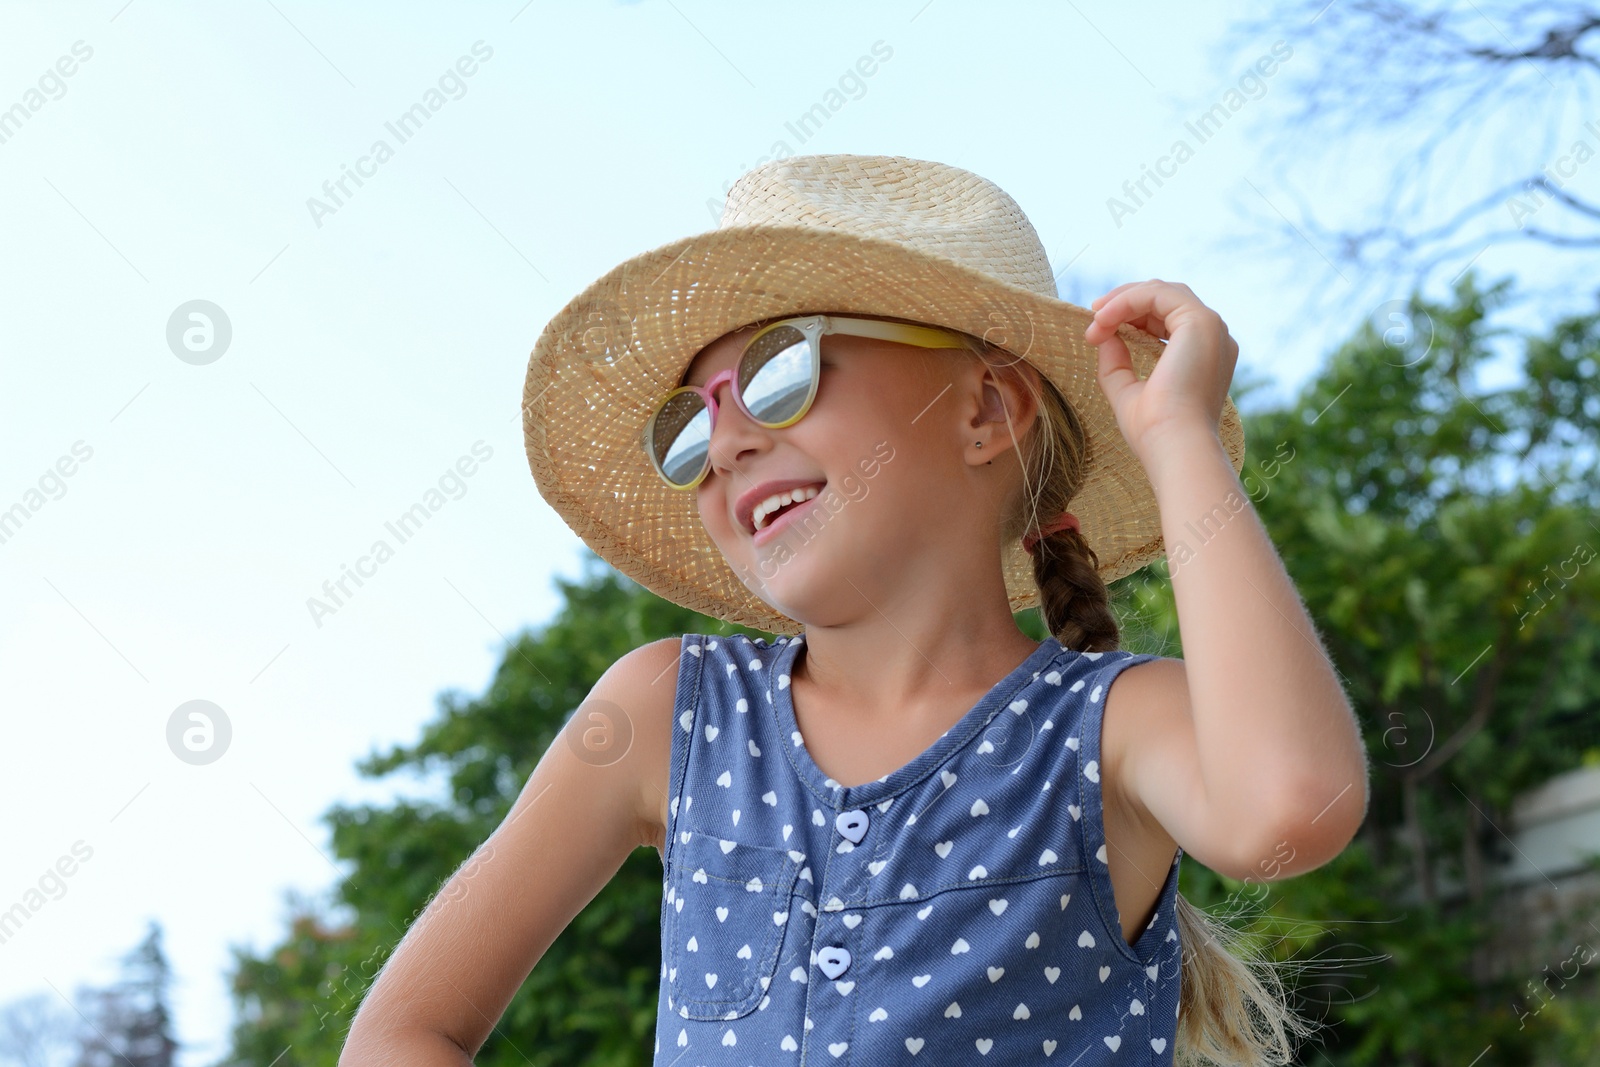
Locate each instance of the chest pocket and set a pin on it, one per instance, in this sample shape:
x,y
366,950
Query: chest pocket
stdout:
x,y
728,913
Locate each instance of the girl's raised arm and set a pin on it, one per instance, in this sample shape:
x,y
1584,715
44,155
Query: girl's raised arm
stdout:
x,y
576,821
1246,750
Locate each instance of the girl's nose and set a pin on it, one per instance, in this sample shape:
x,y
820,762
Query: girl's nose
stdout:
x,y
735,433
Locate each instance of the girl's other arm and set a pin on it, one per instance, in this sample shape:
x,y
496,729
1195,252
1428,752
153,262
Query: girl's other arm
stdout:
x,y
576,821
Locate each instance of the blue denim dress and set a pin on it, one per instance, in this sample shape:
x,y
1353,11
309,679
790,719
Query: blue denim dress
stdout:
x,y
958,910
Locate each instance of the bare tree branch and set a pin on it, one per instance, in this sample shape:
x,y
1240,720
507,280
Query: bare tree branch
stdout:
x,y
1499,76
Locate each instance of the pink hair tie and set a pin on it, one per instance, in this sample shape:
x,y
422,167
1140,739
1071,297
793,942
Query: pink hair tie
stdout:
x,y
1063,521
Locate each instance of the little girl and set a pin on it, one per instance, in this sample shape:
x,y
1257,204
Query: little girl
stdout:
x,y
902,832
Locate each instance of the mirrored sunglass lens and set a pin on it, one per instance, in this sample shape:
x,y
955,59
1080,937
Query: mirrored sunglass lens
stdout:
x,y
681,438
775,375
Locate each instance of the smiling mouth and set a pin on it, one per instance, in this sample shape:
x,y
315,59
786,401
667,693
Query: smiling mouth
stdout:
x,y
774,508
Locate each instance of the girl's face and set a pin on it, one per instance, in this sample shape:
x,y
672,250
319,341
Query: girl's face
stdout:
x,y
878,447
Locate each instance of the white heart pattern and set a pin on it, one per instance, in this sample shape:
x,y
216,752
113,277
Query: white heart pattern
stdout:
x,y
812,814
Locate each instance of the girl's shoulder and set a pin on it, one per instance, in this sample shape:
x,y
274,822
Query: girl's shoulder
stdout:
x,y
636,702
630,710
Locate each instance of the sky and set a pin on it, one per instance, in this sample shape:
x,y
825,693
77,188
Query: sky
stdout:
x,y
193,482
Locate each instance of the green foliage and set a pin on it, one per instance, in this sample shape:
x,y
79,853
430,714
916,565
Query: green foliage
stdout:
x,y
1434,528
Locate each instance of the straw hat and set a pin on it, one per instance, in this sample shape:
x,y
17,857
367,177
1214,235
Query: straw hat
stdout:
x,y
874,235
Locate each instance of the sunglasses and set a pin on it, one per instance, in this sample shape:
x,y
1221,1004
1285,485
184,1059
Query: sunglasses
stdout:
x,y
774,383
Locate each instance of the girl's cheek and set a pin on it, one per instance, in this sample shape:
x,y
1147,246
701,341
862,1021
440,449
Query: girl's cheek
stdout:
x,y
714,513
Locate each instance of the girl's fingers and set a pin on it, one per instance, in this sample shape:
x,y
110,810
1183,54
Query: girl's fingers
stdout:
x,y
1142,302
1137,304
1103,297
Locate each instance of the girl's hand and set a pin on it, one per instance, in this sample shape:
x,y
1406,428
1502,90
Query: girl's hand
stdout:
x,y
1189,382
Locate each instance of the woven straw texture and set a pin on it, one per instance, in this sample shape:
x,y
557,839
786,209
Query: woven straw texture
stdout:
x,y
847,234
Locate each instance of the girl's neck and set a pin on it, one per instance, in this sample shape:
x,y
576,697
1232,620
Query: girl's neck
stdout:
x,y
874,673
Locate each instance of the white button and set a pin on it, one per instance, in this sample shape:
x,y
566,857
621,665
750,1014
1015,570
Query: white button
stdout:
x,y
852,825
833,960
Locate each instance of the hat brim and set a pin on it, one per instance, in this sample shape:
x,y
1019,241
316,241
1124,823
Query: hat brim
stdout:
x,y
618,346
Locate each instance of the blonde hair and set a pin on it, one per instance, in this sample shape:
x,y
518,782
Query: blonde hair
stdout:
x,y
1231,1005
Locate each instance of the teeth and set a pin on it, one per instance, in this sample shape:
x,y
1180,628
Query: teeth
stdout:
x,y
778,500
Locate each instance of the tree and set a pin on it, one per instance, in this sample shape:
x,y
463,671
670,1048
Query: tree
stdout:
x,y
1473,117
36,1031
129,1023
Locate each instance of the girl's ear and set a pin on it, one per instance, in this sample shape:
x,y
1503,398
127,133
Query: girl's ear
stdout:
x,y
996,397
